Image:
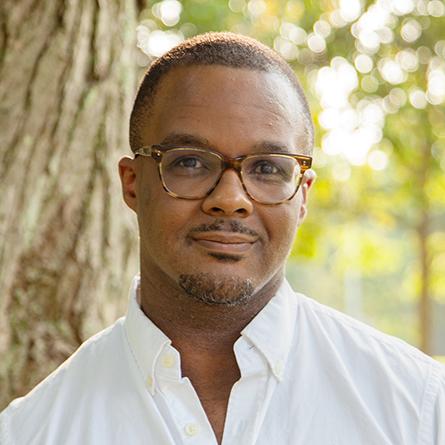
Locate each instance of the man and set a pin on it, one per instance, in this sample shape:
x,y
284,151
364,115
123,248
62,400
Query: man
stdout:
x,y
215,346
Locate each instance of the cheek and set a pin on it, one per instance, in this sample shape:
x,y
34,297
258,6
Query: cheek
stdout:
x,y
163,220
151,199
151,214
282,224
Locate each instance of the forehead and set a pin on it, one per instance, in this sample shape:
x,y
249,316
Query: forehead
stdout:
x,y
222,103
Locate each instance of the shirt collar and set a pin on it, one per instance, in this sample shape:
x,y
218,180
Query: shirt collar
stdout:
x,y
270,332
146,340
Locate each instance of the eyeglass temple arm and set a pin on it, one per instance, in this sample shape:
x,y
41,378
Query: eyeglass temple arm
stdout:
x,y
305,162
150,151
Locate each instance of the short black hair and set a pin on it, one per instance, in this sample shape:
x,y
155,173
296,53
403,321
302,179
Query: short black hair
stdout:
x,y
215,48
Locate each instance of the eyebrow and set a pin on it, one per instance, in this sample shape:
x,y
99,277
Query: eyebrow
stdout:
x,y
186,139
191,140
271,147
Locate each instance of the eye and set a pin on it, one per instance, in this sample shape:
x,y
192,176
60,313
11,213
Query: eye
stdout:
x,y
186,164
266,168
192,162
271,169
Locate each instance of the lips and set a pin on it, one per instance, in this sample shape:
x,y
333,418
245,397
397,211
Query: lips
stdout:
x,y
225,242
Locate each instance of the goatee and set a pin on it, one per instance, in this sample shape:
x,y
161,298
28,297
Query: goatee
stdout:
x,y
214,290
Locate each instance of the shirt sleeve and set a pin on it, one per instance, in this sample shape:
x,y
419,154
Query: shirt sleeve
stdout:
x,y
4,434
432,425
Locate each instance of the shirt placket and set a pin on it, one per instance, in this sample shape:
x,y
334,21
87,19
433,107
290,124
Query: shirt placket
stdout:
x,y
249,398
183,402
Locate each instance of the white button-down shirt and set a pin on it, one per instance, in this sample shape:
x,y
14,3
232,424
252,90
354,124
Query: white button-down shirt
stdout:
x,y
309,375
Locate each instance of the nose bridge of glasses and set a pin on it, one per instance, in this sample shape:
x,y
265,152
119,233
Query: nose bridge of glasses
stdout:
x,y
231,163
234,164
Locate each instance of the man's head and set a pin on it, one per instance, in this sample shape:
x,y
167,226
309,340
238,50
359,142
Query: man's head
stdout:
x,y
224,247
223,49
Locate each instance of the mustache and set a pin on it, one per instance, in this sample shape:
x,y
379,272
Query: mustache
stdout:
x,y
221,225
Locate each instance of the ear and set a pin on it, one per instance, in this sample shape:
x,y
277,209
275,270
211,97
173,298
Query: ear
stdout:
x,y
308,179
127,173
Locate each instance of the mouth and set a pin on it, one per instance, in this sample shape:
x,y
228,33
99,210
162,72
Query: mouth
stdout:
x,y
224,242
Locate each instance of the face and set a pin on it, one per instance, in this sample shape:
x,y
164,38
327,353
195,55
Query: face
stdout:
x,y
225,247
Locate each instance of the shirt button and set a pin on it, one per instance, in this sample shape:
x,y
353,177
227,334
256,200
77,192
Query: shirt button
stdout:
x,y
168,361
149,381
192,429
278,369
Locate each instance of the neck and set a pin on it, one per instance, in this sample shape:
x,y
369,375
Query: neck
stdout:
x,y
196,324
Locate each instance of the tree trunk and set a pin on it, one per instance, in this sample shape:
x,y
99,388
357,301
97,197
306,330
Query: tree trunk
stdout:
x,y
68,245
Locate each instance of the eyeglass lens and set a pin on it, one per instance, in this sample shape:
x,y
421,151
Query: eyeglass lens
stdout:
x,y
190,173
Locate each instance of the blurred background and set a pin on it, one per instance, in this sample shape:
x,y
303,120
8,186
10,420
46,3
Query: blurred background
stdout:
x,y
373,245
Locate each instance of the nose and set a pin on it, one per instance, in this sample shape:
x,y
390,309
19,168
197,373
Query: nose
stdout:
x,y
228,198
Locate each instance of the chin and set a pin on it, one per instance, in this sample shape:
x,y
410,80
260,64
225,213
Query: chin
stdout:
x,y
217,290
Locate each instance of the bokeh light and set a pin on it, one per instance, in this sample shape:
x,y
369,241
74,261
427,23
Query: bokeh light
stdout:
x,y
391,71
436,8
417,98
411,31
155,43
168,11
363,63
378,160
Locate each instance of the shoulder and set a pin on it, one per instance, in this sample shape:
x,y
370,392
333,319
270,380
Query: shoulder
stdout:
x,y
349,334
365,375
367,356
92,365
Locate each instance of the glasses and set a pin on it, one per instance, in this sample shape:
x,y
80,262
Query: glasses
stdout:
x,y
193,173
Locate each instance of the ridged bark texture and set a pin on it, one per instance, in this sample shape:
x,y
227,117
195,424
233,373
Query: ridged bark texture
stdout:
x,y
68,244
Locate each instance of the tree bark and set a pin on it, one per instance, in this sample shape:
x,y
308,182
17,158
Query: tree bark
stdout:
x,y
68,245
